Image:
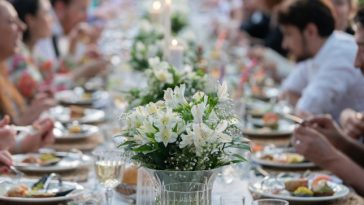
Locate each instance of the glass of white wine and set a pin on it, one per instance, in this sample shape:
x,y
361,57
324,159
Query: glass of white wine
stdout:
x,y
109,165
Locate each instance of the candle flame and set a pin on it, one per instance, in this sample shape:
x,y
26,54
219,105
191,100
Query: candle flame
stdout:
x,y
157,5
174,42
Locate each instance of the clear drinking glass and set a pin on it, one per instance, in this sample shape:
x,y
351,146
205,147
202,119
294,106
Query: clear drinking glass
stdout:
x,y
270,202
232,200
109,167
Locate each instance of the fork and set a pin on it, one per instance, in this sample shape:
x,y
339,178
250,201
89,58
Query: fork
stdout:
x,y
18,174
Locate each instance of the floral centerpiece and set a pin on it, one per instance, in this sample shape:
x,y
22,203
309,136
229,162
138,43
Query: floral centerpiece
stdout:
x,y
180,140
176,134
162,76
147,43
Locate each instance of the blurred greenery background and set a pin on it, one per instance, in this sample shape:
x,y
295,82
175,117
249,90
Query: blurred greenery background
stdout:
x,y
361,2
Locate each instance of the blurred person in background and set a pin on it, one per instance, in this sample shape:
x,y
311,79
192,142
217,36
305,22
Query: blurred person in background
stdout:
x,y
345,11
31,75
323,142
11,102
262,25
72,46
325,80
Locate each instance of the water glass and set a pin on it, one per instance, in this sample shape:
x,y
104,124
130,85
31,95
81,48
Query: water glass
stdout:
x,y
270,202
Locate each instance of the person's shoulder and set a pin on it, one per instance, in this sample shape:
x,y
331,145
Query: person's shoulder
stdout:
x,y
344,39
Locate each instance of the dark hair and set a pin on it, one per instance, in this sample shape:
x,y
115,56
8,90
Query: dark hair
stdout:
x,y
359,17
66,2
300,13
24,8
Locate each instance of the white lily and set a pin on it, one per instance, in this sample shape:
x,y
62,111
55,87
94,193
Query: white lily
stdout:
x,y
219,133
187,139
198,96
147,127
222,92
198,112
179,94
165,135
151,108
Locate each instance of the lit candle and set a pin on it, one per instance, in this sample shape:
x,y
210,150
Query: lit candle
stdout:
x,y
176,52
155,13
167,26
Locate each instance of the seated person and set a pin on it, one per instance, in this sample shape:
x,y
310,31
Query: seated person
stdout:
x,y
11,101
264,27
323,142
71,47
30,75
325,81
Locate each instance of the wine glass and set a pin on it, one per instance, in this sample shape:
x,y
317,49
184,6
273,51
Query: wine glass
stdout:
x,y
109,166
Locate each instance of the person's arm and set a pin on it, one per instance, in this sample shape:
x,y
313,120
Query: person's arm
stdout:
x,y
351,173
294,84
353,150
316,148
327,88
327,127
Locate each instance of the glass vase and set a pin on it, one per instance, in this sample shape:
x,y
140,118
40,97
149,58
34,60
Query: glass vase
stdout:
x,y
159,187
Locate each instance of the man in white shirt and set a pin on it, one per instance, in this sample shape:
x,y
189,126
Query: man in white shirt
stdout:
x,y
325,80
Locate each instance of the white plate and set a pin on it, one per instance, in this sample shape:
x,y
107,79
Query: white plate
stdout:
x,y
91,116
70,97
264,187
66,185
69,161
256,157
285,129
88,131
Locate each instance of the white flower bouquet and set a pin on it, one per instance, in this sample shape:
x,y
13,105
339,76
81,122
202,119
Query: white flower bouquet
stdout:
x,y
147,43
185,135
162,76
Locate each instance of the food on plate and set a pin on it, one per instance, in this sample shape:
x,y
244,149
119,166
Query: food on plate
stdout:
x,y
302,188
256,148
303,191
42,159
257,91
18,191
320,187
75,128
271,120
285,158
37,190
294,184
77,112
31,160
86,96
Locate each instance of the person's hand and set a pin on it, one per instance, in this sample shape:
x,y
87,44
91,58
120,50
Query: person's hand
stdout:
x,y
5,161
90,69
314,146
42,102
43,136
352,123
328,128
7,135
